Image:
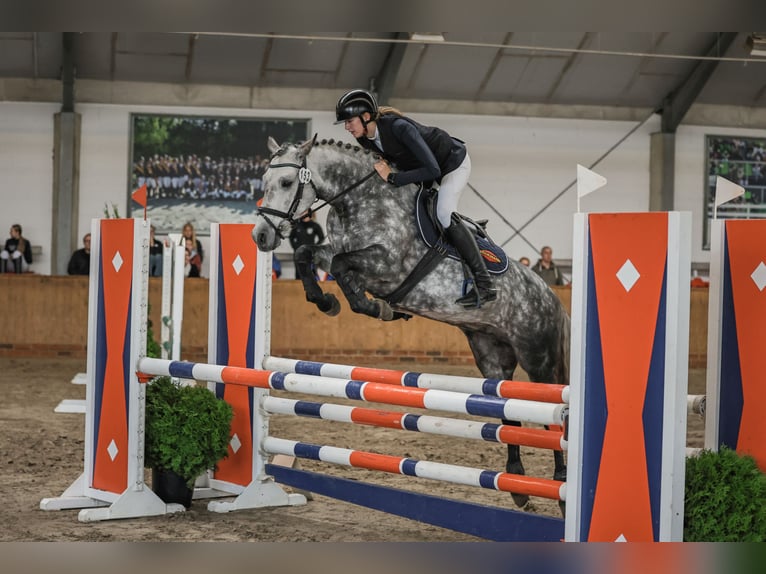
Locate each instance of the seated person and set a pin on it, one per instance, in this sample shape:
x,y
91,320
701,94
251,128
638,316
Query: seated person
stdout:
x,y
79,263
276,267
155,254
188,232
193,261
17,249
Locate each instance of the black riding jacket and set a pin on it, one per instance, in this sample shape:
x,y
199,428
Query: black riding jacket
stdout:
x,y
420,153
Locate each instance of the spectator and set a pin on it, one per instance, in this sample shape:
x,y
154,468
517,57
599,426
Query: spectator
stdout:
x,y
276,267
189,233
306,232
155,254
193,262
524,261
79,263
546,268
16,249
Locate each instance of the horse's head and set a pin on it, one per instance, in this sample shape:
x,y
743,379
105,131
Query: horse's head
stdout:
x,y
288,192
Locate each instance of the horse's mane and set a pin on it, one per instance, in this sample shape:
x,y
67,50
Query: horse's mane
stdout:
x,y
347,148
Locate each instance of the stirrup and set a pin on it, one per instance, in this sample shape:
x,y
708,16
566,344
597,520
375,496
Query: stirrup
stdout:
x,y
477,297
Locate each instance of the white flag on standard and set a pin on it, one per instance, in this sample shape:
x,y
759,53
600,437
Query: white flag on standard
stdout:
x,y
726,190
588,181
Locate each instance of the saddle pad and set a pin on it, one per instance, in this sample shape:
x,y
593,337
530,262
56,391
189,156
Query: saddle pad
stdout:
x,y
494,257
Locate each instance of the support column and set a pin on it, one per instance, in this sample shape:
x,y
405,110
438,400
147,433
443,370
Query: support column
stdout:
x,y
662,160
66,189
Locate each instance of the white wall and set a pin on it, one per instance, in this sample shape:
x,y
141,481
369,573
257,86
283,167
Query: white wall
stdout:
x,y
519,165
26,175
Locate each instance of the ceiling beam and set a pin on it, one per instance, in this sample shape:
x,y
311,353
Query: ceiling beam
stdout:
x,y
113,56
677,102
385,81
568,66
190,56
499,54
67,72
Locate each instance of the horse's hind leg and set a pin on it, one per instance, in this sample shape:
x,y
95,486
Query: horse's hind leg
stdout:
x,y
496,359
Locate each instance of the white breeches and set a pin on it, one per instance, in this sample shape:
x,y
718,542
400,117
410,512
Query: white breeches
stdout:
x,y
451,187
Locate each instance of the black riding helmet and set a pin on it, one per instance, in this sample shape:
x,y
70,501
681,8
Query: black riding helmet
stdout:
x,y
353,104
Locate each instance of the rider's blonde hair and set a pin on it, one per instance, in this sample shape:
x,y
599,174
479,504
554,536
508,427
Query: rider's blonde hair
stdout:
x,y
383,110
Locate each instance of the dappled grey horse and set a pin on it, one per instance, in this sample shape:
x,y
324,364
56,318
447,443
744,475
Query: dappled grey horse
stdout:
x,y
374,244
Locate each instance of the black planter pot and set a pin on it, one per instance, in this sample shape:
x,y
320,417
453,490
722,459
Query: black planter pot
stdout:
x,y
171,488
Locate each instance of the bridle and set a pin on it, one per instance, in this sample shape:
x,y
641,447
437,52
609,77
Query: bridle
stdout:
x,y
304,177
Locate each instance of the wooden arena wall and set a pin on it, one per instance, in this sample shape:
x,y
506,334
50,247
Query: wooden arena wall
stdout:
x,y
46,316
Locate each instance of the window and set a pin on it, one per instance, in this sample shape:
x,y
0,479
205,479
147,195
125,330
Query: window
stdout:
x,y
741,160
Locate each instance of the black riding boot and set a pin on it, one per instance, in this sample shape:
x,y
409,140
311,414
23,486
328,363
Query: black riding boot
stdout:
x,y
17,265
3,266
465,243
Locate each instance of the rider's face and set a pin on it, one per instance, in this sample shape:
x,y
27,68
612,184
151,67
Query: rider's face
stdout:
x,y
354,127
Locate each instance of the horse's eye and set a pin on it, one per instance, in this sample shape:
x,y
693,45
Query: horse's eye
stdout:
x,y
287,183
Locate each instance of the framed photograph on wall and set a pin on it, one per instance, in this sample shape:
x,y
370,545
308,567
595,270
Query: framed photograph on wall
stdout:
x,y
741,160
202,169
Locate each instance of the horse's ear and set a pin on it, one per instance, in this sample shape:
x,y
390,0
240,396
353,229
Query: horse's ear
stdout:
x,y
272,145
306,146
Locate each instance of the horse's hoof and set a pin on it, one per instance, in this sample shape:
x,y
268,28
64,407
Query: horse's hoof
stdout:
x,y
330,305
520,499
385,312
515,467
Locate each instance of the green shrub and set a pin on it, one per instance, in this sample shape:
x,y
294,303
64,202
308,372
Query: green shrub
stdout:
x,y
187,429
725,498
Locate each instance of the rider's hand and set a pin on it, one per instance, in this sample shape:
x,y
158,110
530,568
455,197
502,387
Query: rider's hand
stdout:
x,y
383,169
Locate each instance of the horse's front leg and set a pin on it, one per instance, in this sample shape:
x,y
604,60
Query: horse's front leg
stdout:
x,y
306,256
349,268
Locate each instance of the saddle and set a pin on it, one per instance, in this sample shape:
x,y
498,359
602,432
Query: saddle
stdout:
x,y
432,233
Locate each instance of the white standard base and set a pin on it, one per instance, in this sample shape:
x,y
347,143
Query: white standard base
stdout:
x,y
260,493
129,504
72,497
80,379
71,406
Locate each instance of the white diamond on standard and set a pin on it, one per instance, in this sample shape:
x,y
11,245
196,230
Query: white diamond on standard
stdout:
x,y
238,265
117,261
235,443
112,450
759,276
628,275
621,538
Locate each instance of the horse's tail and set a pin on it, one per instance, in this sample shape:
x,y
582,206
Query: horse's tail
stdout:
x,y
561,370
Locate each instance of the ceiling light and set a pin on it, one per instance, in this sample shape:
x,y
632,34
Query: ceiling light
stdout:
x,y
427,37
757,44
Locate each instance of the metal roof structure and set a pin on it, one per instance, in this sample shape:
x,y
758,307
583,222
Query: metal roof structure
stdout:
x,y
463,72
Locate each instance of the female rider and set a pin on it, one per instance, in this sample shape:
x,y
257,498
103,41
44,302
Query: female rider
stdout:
x,y
420,154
